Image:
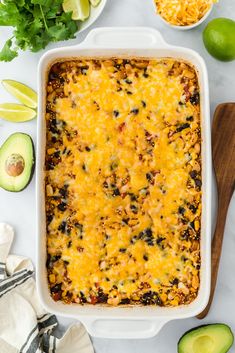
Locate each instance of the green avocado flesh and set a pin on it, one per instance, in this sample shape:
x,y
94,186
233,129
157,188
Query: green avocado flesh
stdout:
x,y
216,338
16,162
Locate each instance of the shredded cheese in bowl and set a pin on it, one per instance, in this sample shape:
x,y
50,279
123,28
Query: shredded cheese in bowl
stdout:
x,y
183,12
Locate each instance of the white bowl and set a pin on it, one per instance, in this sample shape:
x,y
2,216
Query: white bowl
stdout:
x,y
185,28
95,13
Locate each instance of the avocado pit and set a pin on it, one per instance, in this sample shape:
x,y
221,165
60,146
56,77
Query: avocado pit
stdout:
x,y
15,165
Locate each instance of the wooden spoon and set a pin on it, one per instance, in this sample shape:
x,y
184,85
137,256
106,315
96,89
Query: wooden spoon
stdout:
x,y
223,151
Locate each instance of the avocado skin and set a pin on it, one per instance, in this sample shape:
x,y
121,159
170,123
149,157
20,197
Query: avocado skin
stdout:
x,y
201,327
32,166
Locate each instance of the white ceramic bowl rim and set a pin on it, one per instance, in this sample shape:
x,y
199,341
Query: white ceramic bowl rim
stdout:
x,y
94,15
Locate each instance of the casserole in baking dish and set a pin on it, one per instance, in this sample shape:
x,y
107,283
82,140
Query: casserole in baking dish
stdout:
x,y
123,181
124,320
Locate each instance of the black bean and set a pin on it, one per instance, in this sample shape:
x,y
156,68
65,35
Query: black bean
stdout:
x,y
125,301
148,232
53,139
53,76
50,165
54,130
160,240
175,281
129,82
193,174
62,226
116,192
181,210
64,191
149,177
87,149
135,111
144,104
151,298
198,183
105,185
62,206
56,288
129,92
123,250
125,220
147,236
116,113
189,118
182,127
195,98
102,297
192,208
145,73
134,209
82,298
49,218
133,197
145,257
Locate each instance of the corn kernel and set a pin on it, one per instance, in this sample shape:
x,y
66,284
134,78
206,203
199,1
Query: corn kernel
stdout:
x,y
52,278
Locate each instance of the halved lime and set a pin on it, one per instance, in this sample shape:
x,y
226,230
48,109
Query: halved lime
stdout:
x,y
95,3
16,112
23,93
80,9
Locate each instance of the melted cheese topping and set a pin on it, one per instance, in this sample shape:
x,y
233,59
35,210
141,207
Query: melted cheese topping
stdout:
x,y
123,182
183,12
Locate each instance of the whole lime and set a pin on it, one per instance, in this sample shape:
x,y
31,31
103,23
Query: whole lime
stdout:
x,y
219,38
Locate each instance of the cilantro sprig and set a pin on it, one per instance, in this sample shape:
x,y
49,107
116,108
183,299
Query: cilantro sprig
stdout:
x,y
36,23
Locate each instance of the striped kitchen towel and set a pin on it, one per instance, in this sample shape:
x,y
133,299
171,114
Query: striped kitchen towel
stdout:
x,y
25,327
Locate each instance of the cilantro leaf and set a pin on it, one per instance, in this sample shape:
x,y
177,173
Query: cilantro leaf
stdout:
x,y
7,53
36,23
9,14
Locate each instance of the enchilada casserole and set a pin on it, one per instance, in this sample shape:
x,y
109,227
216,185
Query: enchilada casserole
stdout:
x,y
123,182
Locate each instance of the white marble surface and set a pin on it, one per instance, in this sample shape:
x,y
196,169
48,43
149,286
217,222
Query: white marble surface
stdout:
x,y
19,209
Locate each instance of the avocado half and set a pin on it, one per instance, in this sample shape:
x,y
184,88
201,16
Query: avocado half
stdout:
x,y
16,162
215,338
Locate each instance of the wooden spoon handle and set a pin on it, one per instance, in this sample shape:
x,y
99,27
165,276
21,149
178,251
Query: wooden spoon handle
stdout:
x,y
223,204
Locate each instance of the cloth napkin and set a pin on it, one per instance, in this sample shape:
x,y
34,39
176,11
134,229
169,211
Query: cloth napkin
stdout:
x,y
25,327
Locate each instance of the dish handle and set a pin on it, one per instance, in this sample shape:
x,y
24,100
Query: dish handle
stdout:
x,y
123,329
124,37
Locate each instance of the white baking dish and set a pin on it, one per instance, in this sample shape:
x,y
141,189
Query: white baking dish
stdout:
x,y
121,322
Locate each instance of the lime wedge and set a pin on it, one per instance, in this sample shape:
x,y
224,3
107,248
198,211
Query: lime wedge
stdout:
x,y
80,9
16,112
95,3
23,93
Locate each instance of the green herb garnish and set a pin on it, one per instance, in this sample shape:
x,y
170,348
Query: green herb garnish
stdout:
x,y
36,23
